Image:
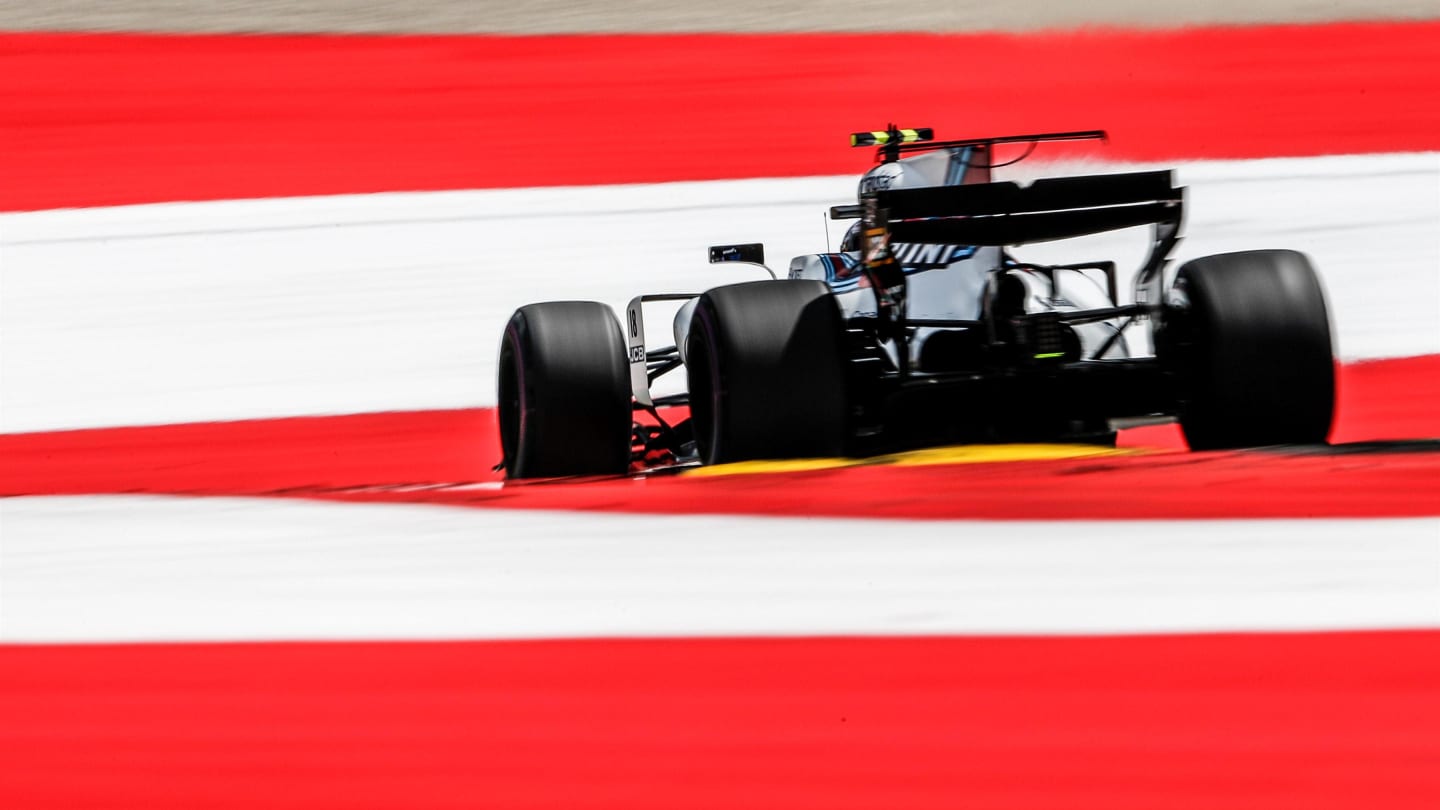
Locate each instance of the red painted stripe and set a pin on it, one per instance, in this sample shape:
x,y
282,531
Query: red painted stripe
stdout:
x,y
111,119
382,457
263,456
1169,486
1320,721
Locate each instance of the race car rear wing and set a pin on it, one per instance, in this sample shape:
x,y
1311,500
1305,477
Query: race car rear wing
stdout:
x,y
1009,214
1002,214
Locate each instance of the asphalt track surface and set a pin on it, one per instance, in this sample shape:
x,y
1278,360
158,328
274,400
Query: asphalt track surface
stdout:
x,y
597,16
1278,719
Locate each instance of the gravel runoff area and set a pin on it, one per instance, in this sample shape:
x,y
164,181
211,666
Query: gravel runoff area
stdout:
x,y
599,16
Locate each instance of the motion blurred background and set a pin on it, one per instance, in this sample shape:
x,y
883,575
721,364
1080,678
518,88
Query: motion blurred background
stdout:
x,y
254,263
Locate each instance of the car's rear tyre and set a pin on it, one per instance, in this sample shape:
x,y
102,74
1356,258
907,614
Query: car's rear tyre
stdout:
x,y
1248,335
767,372
564,392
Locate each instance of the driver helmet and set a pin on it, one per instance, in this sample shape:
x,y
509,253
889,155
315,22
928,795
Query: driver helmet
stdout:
x,y
885,177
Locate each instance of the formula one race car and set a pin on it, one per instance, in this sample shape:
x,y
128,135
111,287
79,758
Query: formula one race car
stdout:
x,y
925,329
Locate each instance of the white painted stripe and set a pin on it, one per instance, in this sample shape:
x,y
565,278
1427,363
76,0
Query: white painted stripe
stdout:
x,y
187,312
147,568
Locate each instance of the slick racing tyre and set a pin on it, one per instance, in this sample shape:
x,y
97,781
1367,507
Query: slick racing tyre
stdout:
x,y
564,392
767,372
1248,335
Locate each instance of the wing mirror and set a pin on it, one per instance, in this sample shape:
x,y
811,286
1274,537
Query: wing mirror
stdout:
x,y
752,253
